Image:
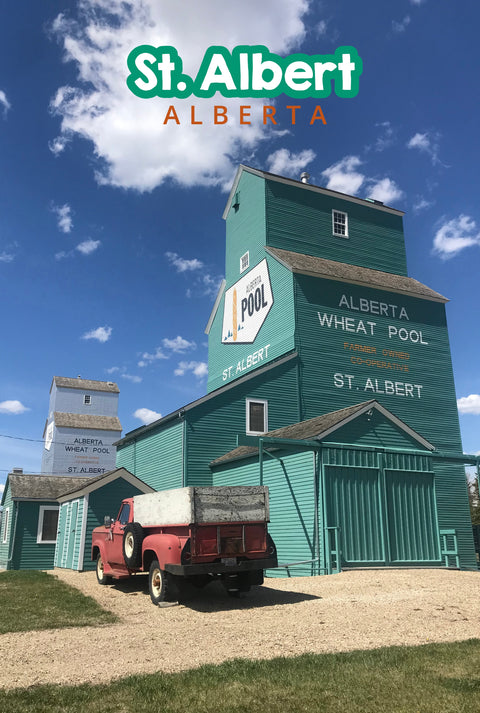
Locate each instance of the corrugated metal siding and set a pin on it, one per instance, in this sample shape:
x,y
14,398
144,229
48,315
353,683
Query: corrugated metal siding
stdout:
x,y
412,518
277,332
101,502
157,458
353,504
28,554
214,425
301,220
5,548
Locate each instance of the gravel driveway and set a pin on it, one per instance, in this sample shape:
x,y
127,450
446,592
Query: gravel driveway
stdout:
x,y
352,610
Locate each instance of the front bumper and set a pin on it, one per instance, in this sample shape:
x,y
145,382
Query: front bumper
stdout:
x,y
187,570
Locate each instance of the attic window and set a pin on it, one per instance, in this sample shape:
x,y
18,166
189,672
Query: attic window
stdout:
x,y
244,261
257,417
340,223
87,399
47,525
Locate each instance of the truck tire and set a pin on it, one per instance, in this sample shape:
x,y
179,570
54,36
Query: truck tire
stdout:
x,y
159,584
132,545
102,578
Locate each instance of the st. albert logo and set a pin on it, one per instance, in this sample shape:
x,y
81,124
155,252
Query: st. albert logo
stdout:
x,y
247,304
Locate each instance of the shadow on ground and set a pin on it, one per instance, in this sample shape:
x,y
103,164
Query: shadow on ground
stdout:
x,y
214,598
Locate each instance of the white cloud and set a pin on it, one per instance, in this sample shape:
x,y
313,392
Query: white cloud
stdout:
x,y
198,368
102,334
64,217
101,109
113,370
402,25
4,102
289,164
178,345
88,246
146,415
13,407
343,176
6,257
2,488
132,377
386,137
469,404
57,145
426,143
147,357
385,190
417,2
321,28
422,204
183,265
455,235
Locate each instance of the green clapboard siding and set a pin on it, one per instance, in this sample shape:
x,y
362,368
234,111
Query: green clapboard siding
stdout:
x,y
27,553
301,220
5,548
101,502
157,457
227,362
214,425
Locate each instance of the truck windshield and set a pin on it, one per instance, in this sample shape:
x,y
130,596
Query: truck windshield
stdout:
x,y
124,513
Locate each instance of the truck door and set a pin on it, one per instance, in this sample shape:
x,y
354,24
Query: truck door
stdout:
x,y
117,535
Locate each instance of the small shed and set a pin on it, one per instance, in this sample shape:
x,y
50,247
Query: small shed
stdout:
x,y
83,507
30,516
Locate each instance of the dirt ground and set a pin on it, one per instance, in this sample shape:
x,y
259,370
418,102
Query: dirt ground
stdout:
x,y
352,610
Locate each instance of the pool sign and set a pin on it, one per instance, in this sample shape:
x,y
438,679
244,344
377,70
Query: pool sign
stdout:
x,y
247,304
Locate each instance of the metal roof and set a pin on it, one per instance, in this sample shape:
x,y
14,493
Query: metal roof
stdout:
x,y
85,384
85,420
378,205
353,274
320,427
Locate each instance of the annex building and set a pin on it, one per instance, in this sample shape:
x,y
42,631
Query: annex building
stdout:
x,y
330,381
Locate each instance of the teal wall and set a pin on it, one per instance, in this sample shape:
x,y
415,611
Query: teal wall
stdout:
x,y
227,362
101,502
27,553
5,548
157,457
299,219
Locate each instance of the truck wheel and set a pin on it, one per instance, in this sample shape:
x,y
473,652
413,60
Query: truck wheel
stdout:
x,y
132,545
159,584
102,578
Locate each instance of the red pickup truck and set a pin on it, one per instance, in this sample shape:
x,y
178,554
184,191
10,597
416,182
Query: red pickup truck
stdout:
x,y
188,536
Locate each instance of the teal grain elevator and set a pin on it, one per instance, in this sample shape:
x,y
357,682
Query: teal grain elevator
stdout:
x,y
330,381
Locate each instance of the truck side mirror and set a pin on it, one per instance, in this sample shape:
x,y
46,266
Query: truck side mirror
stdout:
x,y
107,521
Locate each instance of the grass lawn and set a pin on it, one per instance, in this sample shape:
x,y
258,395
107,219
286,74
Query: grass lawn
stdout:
x,y
437,678
36,600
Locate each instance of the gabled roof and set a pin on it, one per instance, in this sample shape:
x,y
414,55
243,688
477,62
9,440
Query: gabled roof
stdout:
x,y
41,487
85,384
304,186
85,420
79,490
353,274
319,427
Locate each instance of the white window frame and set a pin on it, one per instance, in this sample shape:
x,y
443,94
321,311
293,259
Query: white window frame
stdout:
x,y
247,255
6,520
339,235
41,513
87,400
249,432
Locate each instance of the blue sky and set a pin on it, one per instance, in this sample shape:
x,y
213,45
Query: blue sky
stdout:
x,y
111,237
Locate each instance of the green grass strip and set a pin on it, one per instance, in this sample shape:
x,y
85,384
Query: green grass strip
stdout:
x,y
36,600
426,679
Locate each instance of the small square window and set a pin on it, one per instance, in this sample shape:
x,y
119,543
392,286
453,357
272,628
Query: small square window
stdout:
x,y
245,261
47,525
87,399
340,223
257,417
